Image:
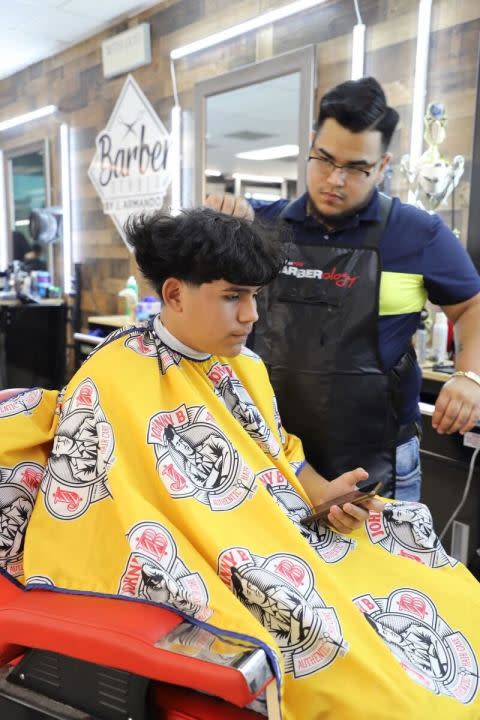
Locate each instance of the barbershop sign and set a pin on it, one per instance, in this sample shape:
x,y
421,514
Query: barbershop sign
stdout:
x,y
130,169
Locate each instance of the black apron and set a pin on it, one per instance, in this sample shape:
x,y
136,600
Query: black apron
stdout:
x,y
318,335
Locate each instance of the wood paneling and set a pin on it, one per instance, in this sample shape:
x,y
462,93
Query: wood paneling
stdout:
x,y
73,80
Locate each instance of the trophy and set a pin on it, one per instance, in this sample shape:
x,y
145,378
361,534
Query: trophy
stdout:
x,y
432,178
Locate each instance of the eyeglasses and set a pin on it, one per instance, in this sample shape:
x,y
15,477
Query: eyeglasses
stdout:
x,y
351,172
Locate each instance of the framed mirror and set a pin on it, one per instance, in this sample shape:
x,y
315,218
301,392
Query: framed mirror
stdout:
x,y
28,187
252,128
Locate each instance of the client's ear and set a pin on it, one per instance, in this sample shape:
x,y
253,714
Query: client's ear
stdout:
x,y
172,294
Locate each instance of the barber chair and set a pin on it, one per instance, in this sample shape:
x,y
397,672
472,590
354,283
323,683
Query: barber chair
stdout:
x,y
81,657
74,656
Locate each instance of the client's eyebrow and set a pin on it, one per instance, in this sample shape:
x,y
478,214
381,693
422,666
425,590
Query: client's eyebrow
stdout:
x,y
242,289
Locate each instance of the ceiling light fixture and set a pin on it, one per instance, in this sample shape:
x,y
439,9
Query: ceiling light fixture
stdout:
x,y
247,26
213,173
358,46
27,117
271,153
270,179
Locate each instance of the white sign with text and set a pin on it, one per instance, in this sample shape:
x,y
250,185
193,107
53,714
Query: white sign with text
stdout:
x,y
130,169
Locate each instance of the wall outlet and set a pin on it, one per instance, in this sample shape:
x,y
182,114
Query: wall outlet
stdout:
x,y
459,545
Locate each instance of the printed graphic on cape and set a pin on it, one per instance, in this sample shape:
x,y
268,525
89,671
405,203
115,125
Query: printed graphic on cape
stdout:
x,y
40,580
279,591
238,401
155,572
145,342
430,651
406,529
24,403
195,459
18,489
82,453
110,338
278,422
331,546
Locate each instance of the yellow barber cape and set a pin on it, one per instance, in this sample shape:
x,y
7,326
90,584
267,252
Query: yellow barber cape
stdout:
x,y
170,479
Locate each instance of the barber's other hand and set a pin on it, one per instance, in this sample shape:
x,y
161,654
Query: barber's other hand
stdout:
x,y
230,205
458,406
349,517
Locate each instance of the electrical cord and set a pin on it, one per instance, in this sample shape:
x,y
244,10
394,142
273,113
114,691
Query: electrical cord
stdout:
x,y
357,11
465,493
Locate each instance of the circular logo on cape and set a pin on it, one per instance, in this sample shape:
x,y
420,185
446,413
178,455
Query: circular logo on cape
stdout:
x,y
24,403
155,572
406,529
331,546
431,653
18,489
76,474
196,459
279,591
240,404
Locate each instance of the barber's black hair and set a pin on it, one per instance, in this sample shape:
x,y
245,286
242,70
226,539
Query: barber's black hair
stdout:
x,y
359,105
202,245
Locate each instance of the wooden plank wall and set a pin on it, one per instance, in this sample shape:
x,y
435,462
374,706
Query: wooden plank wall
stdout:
x,y
73,80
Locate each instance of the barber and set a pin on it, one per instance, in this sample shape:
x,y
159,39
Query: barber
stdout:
x,y
335,329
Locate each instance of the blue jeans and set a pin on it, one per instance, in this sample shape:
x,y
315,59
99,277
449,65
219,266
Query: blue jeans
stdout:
x,y
409,473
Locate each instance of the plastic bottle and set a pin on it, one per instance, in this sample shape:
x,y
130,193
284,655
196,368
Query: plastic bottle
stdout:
x,y
130,293
421,343
440,338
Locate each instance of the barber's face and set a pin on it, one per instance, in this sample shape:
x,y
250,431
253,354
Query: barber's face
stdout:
x,y
338,191
214,317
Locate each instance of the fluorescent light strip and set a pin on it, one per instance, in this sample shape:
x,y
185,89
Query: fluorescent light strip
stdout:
x,y
176,160
213,173
358,51
22,222
420,84
270,153
66,207
27,117
3,216
274,179
247,26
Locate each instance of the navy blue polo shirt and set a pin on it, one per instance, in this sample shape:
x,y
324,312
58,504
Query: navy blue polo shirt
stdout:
x,y
420,257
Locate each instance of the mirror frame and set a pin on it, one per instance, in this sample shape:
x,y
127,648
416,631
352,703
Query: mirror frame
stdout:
x,y
9,155
301,61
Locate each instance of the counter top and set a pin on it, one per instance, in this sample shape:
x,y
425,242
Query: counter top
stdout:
x,y
429,374
115,321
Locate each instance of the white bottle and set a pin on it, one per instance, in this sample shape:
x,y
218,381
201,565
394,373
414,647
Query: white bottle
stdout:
x,y
440,338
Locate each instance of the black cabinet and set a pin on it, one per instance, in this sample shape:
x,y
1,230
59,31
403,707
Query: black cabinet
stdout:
x,y
32,345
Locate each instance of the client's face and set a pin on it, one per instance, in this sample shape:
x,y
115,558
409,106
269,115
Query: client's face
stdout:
x,y
217,317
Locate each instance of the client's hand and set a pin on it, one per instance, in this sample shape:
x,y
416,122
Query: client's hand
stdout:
x,y
349,517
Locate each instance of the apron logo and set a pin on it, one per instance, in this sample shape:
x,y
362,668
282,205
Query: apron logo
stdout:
x,y
18,489
195,459
240,404
155,572
82,453
406,529
430,652
331,546
297,269
279,592
341,279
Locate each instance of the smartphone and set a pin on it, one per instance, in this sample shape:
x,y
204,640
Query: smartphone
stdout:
x,y
356,497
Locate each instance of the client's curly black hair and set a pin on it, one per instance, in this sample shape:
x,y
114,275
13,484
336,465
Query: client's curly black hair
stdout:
x,y
202,245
